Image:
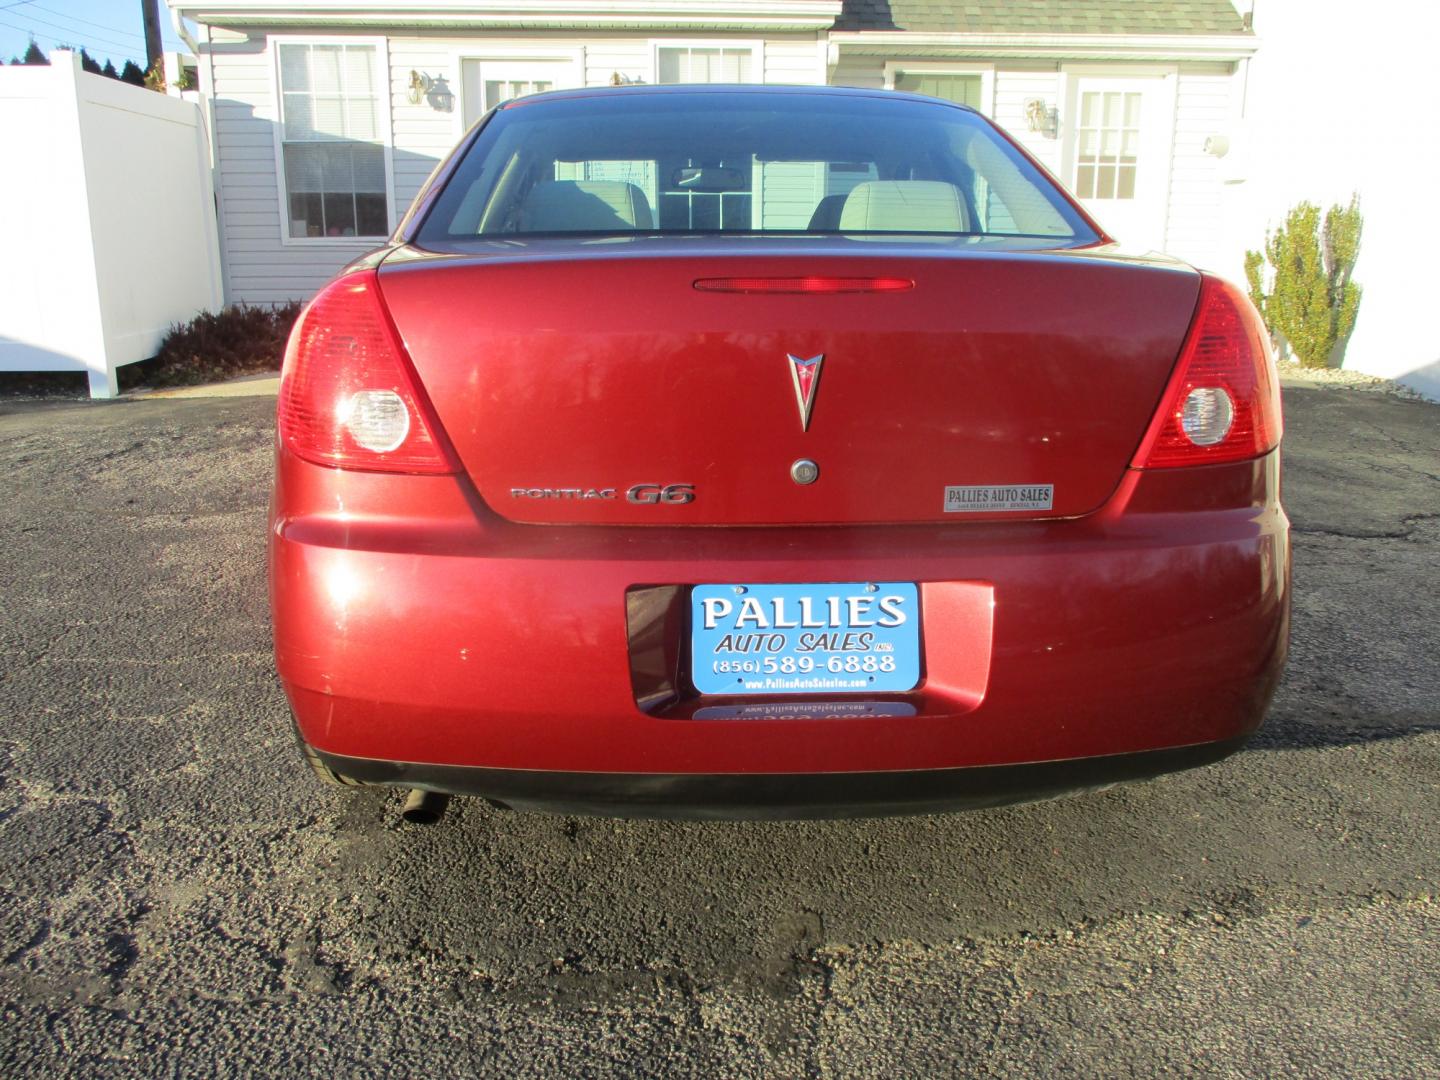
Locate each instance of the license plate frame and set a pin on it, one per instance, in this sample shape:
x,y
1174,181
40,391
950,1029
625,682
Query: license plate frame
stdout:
x,y
838,638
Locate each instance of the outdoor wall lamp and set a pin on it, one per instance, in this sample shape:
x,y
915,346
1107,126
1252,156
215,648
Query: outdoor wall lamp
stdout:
x,y
1217,145
1042,118
436,91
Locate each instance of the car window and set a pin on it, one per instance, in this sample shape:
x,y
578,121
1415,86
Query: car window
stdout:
x,y
748,163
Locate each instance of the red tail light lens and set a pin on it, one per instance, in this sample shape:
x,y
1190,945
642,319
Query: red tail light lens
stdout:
x,y
348,396
1223,401
804,284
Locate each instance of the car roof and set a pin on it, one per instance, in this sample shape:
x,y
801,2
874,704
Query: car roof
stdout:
x,y
748,89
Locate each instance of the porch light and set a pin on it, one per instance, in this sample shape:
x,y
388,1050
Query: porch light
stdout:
x,y
433,90
1041,117
1217,145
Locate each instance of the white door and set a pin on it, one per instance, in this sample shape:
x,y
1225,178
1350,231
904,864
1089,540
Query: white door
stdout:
x,y
486,83
1117,154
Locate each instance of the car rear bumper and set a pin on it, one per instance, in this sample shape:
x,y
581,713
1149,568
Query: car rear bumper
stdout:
x,y
782,795
414,626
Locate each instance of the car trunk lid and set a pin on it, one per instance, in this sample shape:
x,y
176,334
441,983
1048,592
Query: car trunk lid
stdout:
x,y
592,386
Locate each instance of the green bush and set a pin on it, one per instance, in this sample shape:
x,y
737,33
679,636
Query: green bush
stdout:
x,y
155,77
239,340
1311,302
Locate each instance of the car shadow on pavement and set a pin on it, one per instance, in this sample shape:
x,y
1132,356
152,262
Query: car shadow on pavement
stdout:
x,y
592,910
1285,733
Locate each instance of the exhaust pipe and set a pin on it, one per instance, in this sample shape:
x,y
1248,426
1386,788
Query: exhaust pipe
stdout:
x,y
424,807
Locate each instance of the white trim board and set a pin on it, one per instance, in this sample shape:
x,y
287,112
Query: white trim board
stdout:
x,y
517,14
1163,47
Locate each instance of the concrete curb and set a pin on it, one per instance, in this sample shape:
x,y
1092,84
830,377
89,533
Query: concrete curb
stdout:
x,y
265,385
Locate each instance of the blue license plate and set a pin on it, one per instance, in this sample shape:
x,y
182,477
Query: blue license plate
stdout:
x,y
805,639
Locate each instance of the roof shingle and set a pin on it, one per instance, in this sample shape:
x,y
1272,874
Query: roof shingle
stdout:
x,y
1043,16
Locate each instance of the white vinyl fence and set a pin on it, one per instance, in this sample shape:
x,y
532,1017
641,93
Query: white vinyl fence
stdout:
x,y
109,218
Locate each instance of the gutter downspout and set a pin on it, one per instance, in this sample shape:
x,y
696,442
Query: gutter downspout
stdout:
x,y
207,88
178,22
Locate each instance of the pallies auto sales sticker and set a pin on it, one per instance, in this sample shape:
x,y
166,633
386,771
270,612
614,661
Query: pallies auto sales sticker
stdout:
x,y
984,498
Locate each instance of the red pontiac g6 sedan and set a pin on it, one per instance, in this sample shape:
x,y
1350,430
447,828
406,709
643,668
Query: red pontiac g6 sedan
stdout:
x,y
747,451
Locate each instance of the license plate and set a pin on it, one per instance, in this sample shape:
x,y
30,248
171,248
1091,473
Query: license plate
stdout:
x,y
805,639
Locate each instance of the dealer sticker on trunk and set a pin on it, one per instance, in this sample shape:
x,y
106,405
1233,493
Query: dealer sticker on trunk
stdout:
x,y
979,499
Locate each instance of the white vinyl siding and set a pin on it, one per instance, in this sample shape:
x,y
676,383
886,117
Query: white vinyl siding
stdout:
x,y
421,134
260,267
1015,86
789,192
610,59
863,72
798,61
1204,106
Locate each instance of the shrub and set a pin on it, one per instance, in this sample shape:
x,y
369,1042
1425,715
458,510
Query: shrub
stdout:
x,y
1311,302
240,340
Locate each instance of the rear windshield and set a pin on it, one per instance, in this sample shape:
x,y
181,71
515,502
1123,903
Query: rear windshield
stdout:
x,y
708,162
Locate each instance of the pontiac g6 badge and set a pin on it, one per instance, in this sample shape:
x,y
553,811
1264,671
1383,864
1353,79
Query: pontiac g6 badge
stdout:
x,y
805,374
643,494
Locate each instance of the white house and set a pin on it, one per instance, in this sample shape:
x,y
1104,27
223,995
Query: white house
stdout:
x,y
328,115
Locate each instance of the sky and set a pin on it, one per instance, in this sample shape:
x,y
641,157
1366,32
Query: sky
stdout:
x,y
110,29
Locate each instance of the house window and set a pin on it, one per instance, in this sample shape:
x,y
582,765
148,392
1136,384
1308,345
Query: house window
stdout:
x,y
485,81
1108,144
714,64
332,142
677,208
961,89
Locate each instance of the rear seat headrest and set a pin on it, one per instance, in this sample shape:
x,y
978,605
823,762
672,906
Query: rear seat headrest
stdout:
x,y
585,206
905,206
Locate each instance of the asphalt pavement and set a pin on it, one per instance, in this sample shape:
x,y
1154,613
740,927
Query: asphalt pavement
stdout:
x,y
178,897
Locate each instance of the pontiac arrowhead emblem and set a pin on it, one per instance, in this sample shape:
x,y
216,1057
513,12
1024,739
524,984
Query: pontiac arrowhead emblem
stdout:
x,y
805,374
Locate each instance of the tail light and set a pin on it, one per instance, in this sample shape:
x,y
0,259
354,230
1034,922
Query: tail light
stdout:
x,y
348,395
1223,401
